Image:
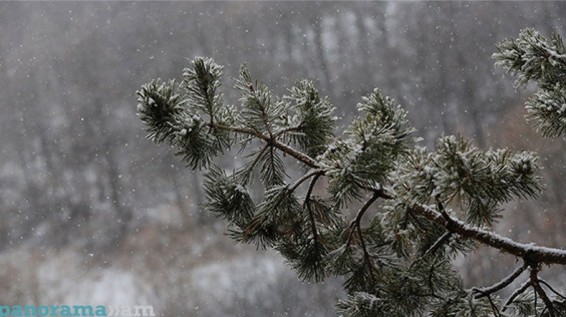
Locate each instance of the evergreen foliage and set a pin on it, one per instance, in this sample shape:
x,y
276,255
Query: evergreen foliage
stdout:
x,y
394,215
533,57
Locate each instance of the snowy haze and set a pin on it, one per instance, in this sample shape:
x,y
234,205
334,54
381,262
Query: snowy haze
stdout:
x,y
93,213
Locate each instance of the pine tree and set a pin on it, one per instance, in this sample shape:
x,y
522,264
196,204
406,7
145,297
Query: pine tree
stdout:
x,y
392,215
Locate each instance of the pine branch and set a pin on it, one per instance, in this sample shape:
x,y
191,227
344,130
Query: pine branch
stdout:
x,y
202,81
316,173
285,148
306,204
528,252
245,173
547,109
444,238
287,130
376,157
311,121
516,293
551,289
496,312
536,285
356,223
487,291
438,243
533,57
272,172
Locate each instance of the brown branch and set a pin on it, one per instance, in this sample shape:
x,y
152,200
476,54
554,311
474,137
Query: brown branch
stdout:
x,y
379,191
430,276
531,253
365,207
494,308
551,289
536,285
285,148
438,243
308,206
516,293
317,173
258,221
356,224
486,291
258,156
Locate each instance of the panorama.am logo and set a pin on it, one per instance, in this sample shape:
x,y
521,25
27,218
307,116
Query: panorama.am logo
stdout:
x,y
75,310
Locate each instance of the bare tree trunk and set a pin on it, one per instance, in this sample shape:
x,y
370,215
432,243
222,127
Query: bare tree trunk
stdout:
x,y
364,62
320,55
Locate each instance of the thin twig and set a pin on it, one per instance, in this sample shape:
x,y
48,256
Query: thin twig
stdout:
x,y
356,223
536,304
551,289
363,243
500,285
308,206
258,156
379,190
516,293
304,178
496,312
431,270
540,291
438,243
307,160
258,221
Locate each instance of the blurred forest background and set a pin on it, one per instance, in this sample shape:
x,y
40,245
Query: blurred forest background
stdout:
x,y
93,213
